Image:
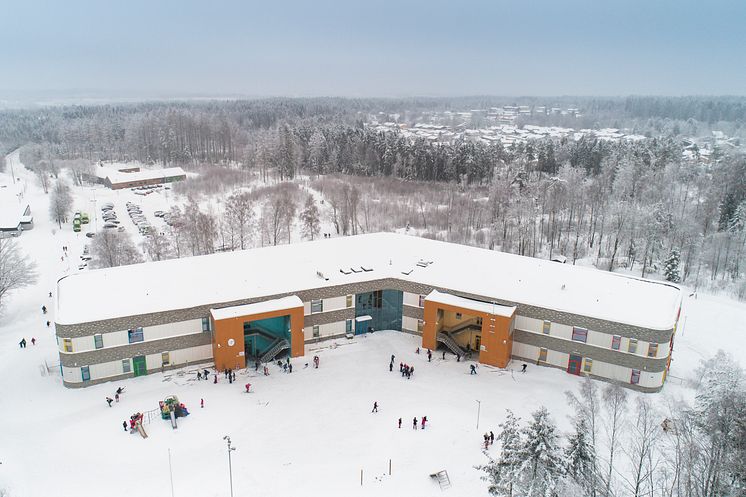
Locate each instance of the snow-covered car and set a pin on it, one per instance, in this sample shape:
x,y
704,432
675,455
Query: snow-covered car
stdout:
x,y
120,229
90,234
159,213
86,257
83,266
111,225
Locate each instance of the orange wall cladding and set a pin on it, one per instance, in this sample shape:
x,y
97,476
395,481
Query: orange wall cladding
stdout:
x,y
232,356
497,342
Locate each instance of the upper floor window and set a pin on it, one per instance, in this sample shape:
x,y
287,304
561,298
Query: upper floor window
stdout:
x,y
205,324
422,301
616,341
632,347
546,327
652,350
458,315
579,334
317,306
98,341
348,301
67,344
135,335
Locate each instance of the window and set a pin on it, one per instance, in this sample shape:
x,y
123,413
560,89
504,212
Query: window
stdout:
x,y
67,344
420,325
317,306
205,325
632,348
348,326
165,359
85,373
635,378
579,334
616,341
588,365
348,301
98,341
546,327
316,332
652,350
126,366
422,301
135,335
458,315
542,355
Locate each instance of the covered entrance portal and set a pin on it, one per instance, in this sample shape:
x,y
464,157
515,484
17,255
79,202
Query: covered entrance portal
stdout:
x,y
467,326
258,331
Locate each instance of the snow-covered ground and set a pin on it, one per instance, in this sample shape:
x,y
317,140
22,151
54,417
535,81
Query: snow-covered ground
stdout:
x,y
308,432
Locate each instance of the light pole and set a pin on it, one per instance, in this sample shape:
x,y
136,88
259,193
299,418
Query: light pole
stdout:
x,y
230,468
479,409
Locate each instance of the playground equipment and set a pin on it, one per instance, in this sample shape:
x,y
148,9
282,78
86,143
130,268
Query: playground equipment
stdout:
x,y
171,409
136,425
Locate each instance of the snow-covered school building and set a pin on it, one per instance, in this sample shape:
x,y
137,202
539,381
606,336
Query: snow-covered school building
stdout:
x,y
232,309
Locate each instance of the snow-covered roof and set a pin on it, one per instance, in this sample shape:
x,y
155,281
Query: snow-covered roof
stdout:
x,y
475,305
232,276
116,176
12,212
257,308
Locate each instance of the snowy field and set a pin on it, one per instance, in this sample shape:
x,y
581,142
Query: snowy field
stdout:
x,y
309,432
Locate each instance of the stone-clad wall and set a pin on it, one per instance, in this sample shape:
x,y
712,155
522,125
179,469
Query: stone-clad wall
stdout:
x,y
649,364
108,354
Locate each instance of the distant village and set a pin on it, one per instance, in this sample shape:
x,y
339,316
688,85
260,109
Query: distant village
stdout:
x,y
498,124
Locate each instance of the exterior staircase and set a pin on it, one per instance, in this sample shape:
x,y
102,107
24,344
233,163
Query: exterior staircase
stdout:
x,y
450,343
278,346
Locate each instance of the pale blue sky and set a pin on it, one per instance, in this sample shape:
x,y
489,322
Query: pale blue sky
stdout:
x,y
374,48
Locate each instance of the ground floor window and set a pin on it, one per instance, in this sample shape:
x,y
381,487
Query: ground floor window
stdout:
x,y
316,332
85,373
165,359
422,301
635,378
588,365
348,326
458,315
542,355
126,366
420,325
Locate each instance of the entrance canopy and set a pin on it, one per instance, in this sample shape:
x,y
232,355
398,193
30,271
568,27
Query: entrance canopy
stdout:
x,y
475,305
236,311
361,319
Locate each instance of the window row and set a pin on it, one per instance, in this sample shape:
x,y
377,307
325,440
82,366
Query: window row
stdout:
x,y
574,365
317,305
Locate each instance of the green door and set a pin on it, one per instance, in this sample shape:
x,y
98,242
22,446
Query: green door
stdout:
x,y
139,364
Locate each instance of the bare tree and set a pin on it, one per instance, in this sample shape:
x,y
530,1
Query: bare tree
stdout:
x,y
158,246
60,203
310,219
239,217
112,249
641,448
16,271
614,402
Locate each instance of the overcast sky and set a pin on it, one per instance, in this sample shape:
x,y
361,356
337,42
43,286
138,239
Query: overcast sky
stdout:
x,y
374,48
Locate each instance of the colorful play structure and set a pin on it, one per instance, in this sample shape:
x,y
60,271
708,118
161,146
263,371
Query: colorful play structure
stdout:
x,y
171,409
136,424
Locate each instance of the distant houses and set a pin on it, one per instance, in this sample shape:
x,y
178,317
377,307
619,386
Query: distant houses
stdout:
x,y
15,216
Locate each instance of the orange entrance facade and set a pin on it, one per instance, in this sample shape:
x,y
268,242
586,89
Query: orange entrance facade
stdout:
x,y
228,345
490,332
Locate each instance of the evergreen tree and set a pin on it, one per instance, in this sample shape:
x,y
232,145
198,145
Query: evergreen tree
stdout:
x,y
580,458
502,473
671,266
541,468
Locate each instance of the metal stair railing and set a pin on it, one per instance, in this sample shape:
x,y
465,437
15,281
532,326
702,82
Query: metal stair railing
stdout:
x,y
450,343
279,345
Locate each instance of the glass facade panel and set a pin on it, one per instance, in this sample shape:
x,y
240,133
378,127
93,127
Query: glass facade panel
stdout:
x,y
384,308
98,341
135,335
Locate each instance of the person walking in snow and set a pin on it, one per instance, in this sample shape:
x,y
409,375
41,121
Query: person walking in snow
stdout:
x,y
400,423
116,397
473,369
401,367
444,355
424,420
215,379
492,437
392,357
290,367
375,407
458,357
33,341
429,355
109,400
417,351
201,403
199,375
248,387
124,425
391,367
43,309
266,371
206,374
50,295
22,343
523,368
414,423
48,323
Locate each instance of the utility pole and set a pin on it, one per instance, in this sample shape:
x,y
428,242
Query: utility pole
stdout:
x,y
230,468
171,472
479,408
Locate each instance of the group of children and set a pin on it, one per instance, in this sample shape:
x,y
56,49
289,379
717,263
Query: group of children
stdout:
x,y
119,391
423,421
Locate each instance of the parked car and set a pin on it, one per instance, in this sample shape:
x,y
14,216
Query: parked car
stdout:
x,y
84,218
108,205
120,229
83,266
110,225
90,234
86,257
159,213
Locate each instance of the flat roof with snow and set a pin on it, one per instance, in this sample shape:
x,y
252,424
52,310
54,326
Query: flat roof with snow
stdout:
x,y
263,272
115,176
256,308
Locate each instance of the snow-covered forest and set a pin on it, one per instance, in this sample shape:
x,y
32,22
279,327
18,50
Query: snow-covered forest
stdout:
x,y
640,205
